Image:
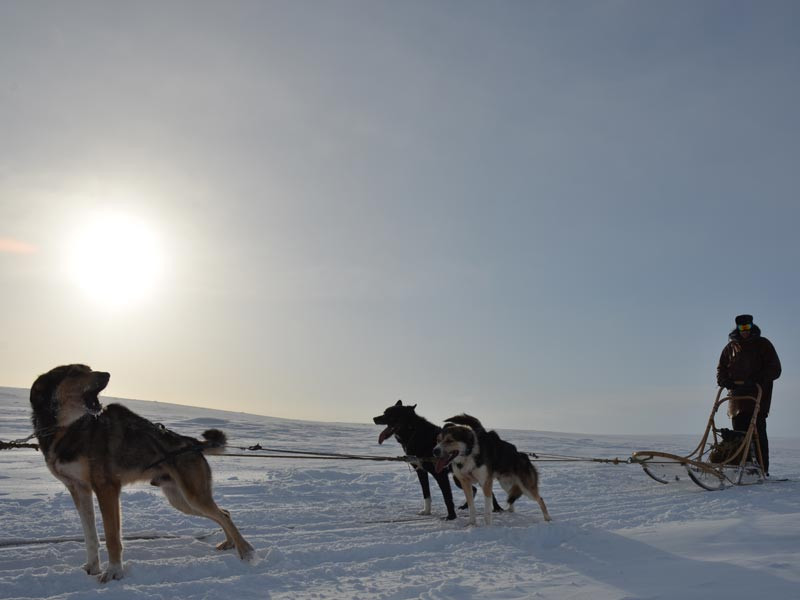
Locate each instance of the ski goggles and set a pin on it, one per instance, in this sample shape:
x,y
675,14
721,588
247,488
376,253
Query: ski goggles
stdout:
x,y
745,327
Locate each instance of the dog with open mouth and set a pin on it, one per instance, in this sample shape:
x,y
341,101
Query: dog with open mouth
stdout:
x,y
96,449
418,436
477,456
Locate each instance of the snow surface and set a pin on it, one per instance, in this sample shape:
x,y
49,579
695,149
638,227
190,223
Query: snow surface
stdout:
x,y
349,529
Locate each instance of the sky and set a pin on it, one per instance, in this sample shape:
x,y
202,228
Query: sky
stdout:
x,y
546,214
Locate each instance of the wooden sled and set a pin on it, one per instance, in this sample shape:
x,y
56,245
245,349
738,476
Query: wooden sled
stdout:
x,y
742,466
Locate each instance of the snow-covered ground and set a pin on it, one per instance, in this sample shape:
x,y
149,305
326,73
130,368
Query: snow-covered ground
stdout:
x,y
349,529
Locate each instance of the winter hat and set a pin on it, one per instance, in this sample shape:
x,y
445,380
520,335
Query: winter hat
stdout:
x,y
744,320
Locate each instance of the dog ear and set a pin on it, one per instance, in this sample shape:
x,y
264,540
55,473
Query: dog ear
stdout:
x,y
45,385
41,391
399,403
413,407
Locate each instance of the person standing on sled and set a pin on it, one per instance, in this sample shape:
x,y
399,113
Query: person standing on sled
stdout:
x,y
749,359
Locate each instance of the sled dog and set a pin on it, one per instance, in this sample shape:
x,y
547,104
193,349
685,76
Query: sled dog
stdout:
x,y
91,448
418,436
480,456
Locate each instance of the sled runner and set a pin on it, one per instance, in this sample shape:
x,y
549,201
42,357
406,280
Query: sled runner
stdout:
x,y
722,459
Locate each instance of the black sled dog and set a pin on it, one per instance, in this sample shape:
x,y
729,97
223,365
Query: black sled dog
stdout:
x,y
418,436
480,456
94,449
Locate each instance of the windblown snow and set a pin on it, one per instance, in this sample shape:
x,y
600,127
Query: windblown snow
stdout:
x,y
350,529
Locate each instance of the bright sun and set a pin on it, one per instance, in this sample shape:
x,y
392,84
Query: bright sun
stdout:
x,y
116,259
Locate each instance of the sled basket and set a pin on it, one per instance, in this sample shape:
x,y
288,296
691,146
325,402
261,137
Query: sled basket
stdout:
x,y
723,457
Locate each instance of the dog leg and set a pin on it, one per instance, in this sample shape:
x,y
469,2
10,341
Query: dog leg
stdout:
x,y
179,501
487,500
534,494
233,539
458,485
539,499
447,493
108,499
196,493
82,497
173,494
467,487
513,495
464,506
426,491
426,506
495,505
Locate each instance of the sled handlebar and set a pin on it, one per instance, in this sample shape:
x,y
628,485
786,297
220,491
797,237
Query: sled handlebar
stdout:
x,y
743,382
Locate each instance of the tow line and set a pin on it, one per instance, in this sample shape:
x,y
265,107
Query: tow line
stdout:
x,y
310,455
306,454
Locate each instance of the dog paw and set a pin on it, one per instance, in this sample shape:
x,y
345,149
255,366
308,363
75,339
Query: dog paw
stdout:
x,y
92,568
247,553
450,517
111,572
425,511
226,545
464,506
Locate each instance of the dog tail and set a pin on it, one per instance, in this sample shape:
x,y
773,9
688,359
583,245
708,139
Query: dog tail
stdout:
x,y
215,441
468,420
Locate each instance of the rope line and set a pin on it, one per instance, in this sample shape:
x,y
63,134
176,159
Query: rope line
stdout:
x,y
19,443
321,456
564,458
409,459
312,455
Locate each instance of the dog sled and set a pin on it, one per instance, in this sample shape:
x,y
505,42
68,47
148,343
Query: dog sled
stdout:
x,y
723,458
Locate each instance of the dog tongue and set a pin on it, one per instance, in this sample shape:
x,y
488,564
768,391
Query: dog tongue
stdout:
x,y
385,434
442,463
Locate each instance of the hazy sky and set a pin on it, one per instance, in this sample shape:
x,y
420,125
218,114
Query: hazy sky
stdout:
x,y
546,214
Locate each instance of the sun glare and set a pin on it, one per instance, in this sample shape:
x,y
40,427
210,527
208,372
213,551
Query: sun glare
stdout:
x,y
116,260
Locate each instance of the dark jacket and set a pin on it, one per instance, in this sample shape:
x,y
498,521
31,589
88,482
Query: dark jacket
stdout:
x,y
753,360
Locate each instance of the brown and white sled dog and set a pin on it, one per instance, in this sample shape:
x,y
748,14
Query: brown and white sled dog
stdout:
x,y
479,456
95,449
